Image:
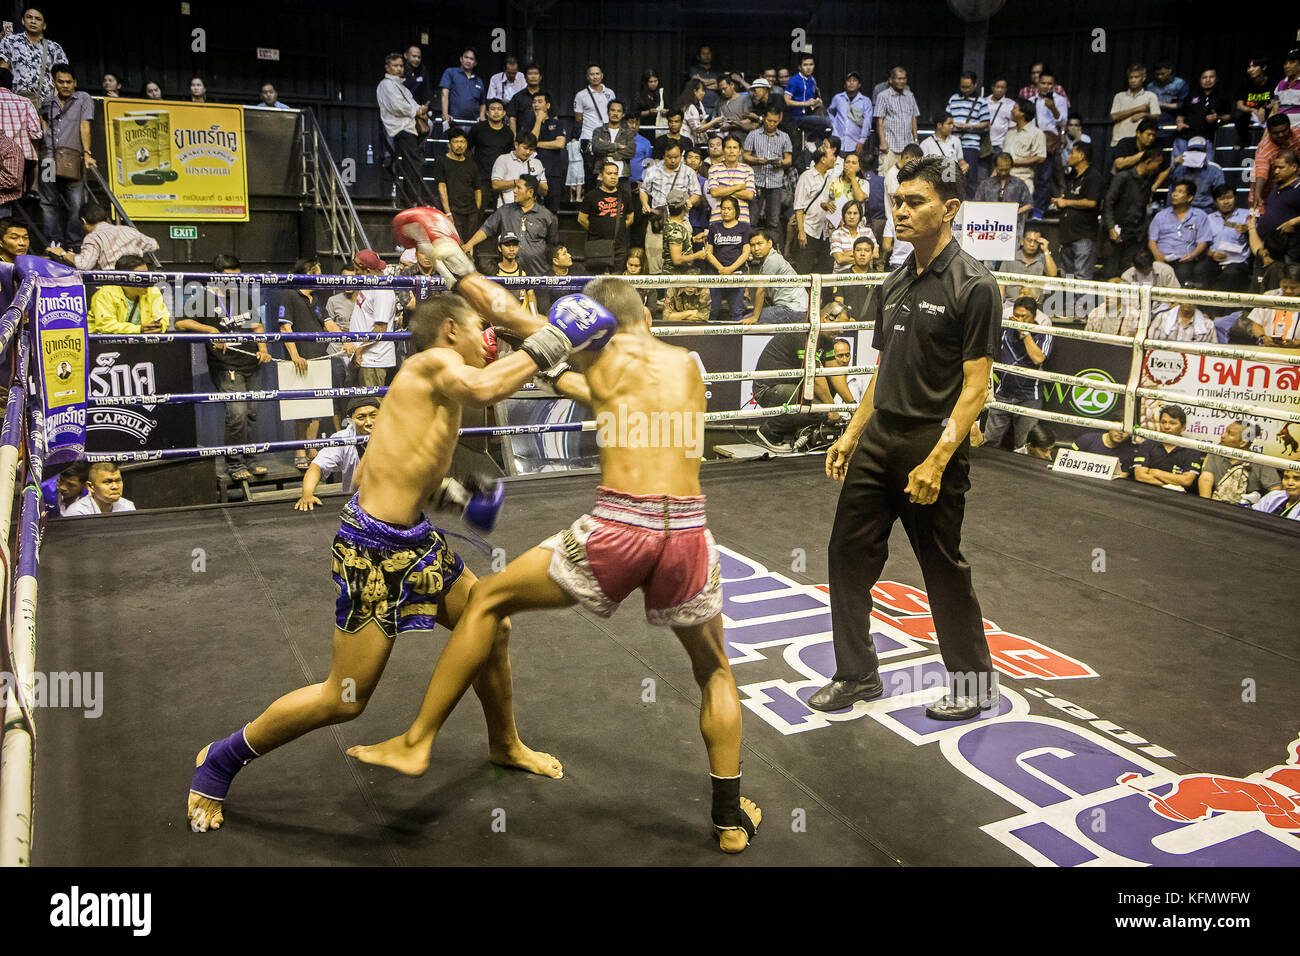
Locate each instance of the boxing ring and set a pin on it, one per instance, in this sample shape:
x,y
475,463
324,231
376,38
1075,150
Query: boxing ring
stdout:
x,y
1135,680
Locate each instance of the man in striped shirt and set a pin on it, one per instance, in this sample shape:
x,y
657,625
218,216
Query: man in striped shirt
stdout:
x,y
1286,96
105,242
731,177
971,118
896,112
1279,134
770,153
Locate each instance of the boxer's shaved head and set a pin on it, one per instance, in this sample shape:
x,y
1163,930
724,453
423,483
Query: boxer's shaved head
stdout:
x,y
621,299
429,326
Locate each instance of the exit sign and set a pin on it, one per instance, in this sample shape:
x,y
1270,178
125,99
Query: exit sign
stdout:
x,y
185,232
267,53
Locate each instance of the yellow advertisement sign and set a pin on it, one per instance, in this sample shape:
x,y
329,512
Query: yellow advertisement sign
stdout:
x,y
170,160
63,354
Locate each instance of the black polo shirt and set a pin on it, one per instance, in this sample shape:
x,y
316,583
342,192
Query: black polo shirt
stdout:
x,y
927,326
303,315
786,350
1178,461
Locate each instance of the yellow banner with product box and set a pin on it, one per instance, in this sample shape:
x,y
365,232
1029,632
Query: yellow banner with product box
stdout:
x,y
170,160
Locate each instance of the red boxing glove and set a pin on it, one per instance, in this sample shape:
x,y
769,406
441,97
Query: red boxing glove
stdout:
x,y
411,227
490,340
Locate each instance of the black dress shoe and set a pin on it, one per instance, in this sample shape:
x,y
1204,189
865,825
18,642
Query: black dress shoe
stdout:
x,y
839,694
959,708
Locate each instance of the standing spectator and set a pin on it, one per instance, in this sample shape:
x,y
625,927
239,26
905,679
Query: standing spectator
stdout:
x,y
32,58
20,121
1026,350
520,107
1286,95
679,248
510,166
971,120
1158,463
128,309
111,84
1231,479
811,197
413,76
782,80
1079,208
460,183
770,153
727,251
1171,92
732,178
606,216
804,98
704,71
1285,502
1278,134
661,181
105,242
1026,144
673,136
398,111
13,240
463,94
846,185
1230,247
504,85
851,113
1132,105
535,226
66,145
1182,323
552,147
699,213
1205,112
1030,89
105,483
943,143
651,106
1073,134
1052,114
270,98
490,139
761,99
12,175
695,118
1180,235
895,112
1253,101
775,304
509,265
1194,165
234,367
614,142
297,310
374,311
198,90
999,107
1124,211
636,173
590,112
1002,186
733,107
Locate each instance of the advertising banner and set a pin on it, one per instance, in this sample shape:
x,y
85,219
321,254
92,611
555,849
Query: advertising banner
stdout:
x,y
988,229
61,365
120,370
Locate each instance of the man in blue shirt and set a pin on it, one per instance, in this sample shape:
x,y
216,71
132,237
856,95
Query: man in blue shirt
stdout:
x,y
1195,166
851,115
971,119
1171,91
1180,235
802,97
1027,350
464,95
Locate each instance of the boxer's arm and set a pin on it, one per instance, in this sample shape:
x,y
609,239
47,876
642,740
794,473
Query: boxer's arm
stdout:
x,y
480,387
573,385
499,306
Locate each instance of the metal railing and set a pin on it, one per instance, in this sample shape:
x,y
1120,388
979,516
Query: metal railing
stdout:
x,y
122,217
325,187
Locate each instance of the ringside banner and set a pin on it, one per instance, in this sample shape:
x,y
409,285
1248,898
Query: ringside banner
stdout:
x,y
988,229
60,310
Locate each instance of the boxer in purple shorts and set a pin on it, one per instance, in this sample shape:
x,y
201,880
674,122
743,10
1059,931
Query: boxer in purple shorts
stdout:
x,y
394,572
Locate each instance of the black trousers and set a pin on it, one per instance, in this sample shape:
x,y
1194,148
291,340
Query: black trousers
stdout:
x,y
408,170
772,394
871,500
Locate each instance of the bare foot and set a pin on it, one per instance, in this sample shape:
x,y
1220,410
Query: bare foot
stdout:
x,y
733,841
523,758
204,813
396,754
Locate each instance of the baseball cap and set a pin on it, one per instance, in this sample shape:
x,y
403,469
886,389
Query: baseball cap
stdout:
x,y
363,401
1292,54
369,259
855,74
1198,142
677,197
760,82
507,237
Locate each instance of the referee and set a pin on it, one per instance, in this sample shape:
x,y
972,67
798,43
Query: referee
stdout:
x,y
906,452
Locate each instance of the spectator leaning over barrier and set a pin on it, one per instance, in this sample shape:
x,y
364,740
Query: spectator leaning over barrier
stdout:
x,y
1279,327
464,95
105,496
1231,479
773,304
65,153
1114,444
1159,463
1285,502
1026,350
118,309
32,58
105,242
341,459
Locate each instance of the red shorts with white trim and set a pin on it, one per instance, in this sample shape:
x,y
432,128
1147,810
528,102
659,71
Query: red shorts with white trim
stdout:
x,y
658,543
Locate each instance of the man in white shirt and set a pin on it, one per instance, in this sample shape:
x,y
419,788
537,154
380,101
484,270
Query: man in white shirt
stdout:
x,y
1026,143
504,85
374,310
1182,323
590,112
1131,106
510,166
1052,113
999,105
399,111
943,143
105,483
341,459
811,197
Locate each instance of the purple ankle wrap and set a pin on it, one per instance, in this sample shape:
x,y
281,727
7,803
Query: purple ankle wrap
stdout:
x,y
225,759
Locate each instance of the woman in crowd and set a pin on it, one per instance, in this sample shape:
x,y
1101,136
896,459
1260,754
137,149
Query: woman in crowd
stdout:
x,y
651,106
111,84
727,251
695,118
152,90
638,265
198,90
850,229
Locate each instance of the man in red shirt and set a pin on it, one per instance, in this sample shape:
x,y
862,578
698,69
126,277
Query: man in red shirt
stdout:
x,y
1280,135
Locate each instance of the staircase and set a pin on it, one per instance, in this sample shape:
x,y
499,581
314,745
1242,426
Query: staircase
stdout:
x,y
339,232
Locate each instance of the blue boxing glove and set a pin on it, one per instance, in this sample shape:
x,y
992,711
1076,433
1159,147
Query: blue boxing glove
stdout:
x,y
575,322
477,500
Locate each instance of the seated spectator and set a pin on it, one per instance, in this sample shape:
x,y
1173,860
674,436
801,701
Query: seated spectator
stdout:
x,y
1231,479
779,304
1204,112
342,460
687,303
1027,350
1147,271
786,351
1279,225
1285,502
1115,315
105,242
65,489
1040,443
856,297
1182,323
1230,246
636,266
105,481
14,240
1279,327
1033,257
122,309
1004,187
508,265
1114,444
1195,166
845,238
727,251
1160,463
1180,235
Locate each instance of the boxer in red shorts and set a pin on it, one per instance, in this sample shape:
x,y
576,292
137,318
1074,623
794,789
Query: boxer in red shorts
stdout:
x,y
647,531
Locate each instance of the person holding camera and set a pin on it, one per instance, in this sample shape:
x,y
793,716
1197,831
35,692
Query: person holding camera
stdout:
x,y
661,180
